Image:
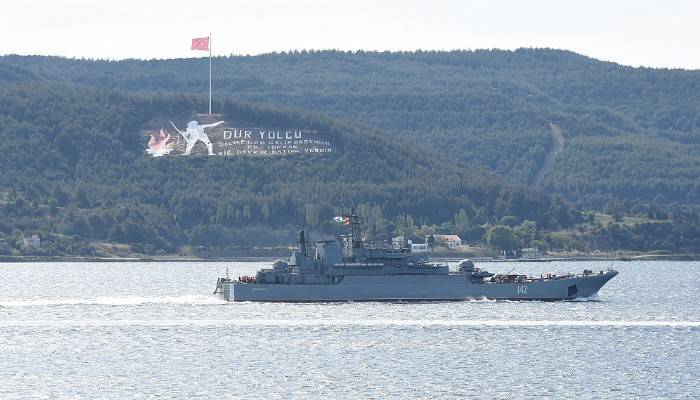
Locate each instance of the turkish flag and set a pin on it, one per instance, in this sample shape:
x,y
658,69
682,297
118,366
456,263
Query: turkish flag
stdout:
x,y
200,43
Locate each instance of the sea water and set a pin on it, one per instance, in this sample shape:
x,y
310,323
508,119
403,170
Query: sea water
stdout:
x,y
155,330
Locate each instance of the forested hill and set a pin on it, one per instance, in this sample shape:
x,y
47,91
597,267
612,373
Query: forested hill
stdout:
x,y
75,170
629,133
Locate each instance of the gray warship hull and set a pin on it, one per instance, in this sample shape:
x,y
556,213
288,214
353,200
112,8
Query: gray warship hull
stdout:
x,y
347,269
418,288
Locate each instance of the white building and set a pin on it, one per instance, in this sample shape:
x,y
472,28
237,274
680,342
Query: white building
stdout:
x,y
33,242
530,253
420,248
451,241
397,242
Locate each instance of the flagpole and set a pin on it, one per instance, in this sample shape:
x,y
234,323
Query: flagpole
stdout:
x,y
209,73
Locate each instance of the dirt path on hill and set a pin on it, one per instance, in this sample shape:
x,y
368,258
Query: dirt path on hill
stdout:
x,y
557,146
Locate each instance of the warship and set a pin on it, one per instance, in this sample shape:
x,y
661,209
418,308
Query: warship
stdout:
x,y
350,269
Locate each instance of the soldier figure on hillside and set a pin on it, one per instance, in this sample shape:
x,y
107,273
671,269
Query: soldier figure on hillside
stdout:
x,y
194,133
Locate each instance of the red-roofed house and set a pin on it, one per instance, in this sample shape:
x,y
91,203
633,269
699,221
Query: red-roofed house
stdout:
x,y
451,241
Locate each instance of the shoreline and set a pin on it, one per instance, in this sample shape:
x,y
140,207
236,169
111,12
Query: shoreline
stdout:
x,y
273,256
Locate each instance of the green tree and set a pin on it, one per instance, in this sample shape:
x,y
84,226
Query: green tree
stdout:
x,y
265,211
461,221
509,221
527,231
503,238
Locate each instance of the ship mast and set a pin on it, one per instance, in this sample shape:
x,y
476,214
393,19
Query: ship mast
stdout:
x,y
355,229
302,244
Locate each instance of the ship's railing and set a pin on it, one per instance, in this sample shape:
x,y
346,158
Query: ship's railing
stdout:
x,y
372,265
516,278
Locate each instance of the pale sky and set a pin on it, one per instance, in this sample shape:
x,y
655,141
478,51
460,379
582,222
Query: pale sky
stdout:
x,y
642,32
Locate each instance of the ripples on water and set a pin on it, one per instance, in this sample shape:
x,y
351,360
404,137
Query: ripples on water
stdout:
x,y
143,330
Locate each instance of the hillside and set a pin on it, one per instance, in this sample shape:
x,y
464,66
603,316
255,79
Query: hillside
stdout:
x,y
75,171
632,135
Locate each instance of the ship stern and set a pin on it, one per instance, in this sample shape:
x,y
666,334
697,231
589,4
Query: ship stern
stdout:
x,y
224,288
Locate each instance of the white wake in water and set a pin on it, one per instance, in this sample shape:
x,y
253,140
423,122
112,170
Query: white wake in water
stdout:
x,y
353,323
115,301
593,297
